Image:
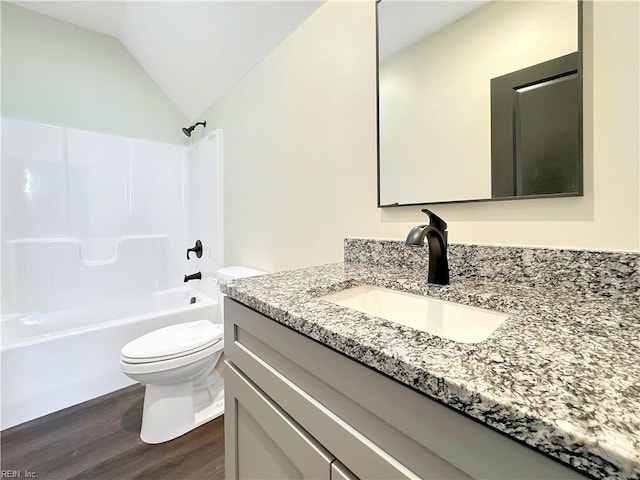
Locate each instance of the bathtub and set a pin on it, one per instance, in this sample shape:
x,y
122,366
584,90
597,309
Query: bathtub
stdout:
x,y
53,360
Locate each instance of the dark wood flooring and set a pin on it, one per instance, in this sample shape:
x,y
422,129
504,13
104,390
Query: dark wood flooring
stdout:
x,y
99,440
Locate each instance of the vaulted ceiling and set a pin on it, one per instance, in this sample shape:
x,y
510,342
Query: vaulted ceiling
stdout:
x,y
194,50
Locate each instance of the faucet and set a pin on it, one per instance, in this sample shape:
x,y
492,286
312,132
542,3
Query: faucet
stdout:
x,y
194,276
436,235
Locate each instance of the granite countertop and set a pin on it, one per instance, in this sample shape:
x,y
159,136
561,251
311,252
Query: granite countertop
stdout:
x,y
562,374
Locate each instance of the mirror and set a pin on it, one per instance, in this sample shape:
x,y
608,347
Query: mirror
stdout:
x,y
462,84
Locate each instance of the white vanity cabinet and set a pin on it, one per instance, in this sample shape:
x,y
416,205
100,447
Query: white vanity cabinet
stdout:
x,y
298,409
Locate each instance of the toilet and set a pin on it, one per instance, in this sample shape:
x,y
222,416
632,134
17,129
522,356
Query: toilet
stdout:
x,y
183,389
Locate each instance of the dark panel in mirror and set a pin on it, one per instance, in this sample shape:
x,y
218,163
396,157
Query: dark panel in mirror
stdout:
x,y
434,99
535,134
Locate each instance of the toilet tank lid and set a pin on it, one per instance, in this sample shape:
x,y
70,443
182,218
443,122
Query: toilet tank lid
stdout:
x,y
227,274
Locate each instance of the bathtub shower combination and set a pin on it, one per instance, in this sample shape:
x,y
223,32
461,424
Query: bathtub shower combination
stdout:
x,y
94,233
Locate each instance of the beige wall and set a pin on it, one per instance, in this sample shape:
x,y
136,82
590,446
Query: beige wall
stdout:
x,y
60,74
299,144
300,150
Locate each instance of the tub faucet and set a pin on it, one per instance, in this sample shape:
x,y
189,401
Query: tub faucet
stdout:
x,y
436,235
194,276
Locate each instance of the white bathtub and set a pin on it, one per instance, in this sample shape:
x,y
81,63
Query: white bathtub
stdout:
x,y
53,360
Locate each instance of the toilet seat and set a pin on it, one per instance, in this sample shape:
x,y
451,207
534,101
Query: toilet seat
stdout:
x,y
161,358
172,342
155,366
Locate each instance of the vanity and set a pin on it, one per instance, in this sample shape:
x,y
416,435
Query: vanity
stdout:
x,y
315,389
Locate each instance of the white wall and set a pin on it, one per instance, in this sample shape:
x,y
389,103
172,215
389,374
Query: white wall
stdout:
x,y
300,150
60,74
88,217
204,209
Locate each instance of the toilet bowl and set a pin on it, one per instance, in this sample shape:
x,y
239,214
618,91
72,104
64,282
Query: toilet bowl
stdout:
x,y
177,365
183,389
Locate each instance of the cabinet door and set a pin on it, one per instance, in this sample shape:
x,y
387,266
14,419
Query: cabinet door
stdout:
x,y
262,441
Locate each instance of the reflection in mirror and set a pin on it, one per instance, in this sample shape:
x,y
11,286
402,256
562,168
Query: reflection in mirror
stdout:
x,y
437,60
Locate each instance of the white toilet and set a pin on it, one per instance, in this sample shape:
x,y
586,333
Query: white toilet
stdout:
x,y
177,365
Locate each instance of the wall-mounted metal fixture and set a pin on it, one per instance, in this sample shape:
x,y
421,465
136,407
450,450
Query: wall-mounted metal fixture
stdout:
x,y
197,249
193,276
187,130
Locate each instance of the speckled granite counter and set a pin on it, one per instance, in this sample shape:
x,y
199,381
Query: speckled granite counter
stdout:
x,y
562,374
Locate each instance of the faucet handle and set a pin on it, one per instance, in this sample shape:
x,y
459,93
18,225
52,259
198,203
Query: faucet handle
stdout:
x,y
435,220
197,249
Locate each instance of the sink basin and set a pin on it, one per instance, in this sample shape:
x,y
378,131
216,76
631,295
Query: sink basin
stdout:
x,y
452,321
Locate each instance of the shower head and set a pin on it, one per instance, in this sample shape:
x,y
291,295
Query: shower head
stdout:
x,y
187,130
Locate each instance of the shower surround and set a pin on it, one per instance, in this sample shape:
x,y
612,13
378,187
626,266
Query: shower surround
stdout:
x,y
89,220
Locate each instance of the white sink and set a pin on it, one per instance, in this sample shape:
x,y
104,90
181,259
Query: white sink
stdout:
x,y
452,321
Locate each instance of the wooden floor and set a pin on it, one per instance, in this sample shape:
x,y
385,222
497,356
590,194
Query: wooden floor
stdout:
x,y
100,439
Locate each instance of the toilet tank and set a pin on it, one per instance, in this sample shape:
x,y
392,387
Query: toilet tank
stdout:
x,y
226,274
